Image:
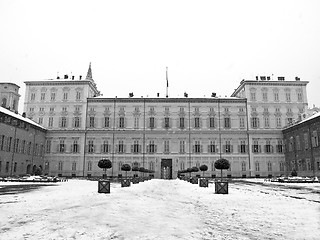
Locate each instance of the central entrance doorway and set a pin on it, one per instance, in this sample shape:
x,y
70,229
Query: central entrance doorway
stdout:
x,y
166,168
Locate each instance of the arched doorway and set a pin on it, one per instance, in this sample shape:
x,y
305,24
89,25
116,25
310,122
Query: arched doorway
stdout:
x,y
29,170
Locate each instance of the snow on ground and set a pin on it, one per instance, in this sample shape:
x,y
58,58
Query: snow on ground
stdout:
x,y
161,209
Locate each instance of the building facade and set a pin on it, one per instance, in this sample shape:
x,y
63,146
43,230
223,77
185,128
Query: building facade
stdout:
x,y
9,95
21,145
302,144
164,134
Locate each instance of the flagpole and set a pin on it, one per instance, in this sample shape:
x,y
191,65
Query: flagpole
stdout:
x,y
167,89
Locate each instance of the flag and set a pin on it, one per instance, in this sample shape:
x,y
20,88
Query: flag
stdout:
x,y
167,77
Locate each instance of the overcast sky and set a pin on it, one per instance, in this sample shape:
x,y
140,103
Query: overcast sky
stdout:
x,y
208,46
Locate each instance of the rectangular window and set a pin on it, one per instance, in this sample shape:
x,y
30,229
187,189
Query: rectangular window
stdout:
x,y
276,97
242,146
257,166
16,145
280,146
241,123
105,146
211,122
151,122
75,146
212,147
40,120
42,96
197,147
253,96
166,146
306,140
63,122
53,96
152,147
74,166
299,96
182,146
256,148
106,122
48,146
269,167
33,96
266,122
9,143
90,146
121,122
89,166
78,96
76,122
50,122
136,122
288,97
62,146
65,96
166,122
281,166
265,96
268,147
314,139
228,147
7,166
298,145
51,109
197,122
243,167
181,123
227,122
255,122
91,122
278,122
136,146
121,147
60,166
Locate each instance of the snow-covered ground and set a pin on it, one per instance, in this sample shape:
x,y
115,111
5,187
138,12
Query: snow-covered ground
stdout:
x,y
162,209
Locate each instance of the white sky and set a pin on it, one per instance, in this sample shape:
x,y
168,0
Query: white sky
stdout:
x,y
208,46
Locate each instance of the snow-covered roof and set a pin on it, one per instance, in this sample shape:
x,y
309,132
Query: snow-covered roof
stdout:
x,y
18,116
305,120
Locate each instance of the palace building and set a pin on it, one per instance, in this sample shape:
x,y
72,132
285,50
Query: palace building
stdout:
x,y
164,134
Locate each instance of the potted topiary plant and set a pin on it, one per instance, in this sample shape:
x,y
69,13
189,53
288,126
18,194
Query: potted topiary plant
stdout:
x,y
203,181
194,179
221,186
135,179
125,182
104,185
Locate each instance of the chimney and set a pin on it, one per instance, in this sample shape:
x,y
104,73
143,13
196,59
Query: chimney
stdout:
x,y
24,114
80,77
158,94
213,94
72,77
66,76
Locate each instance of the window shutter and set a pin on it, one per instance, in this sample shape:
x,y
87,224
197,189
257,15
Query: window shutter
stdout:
x,y
231,148
201,148
139,148
60,121
132,148
155,148
271,149
223,148
71,148
193,148
101,148
259,148
209,148
147,149
252,148
58,147
258,123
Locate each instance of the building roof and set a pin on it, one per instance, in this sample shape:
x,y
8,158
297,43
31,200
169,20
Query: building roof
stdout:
x,y
18,116
304,120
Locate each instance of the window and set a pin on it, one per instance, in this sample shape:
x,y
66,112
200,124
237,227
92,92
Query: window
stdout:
x,y
106,122
60,166
166,146
212,147
276,97
266,122
241,122
51,109
166,122
76,122
265,96
121,122
46,166
269,167
152,147
257,166
136,146
253,96
53,96
281,166
89,167
300,97
298,145
268,147
74,166
63,122
227,122
182,146
182,166
48,146
42,96
256,148
242,146
33,96
62,146
314,139
254,122
121,147
278,122
9,143
228,147
280,146
197,122
306,140
181,123
65,96
197,147
91,122
64,109
78,95
40,120
16,145
105,147
211,122
243,167
90,146
151,122
75,146
136,122
288,97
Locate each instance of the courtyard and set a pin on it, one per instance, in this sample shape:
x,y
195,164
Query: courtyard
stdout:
x,y
159,209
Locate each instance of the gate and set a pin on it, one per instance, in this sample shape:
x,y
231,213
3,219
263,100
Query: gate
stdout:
x,y
166,168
